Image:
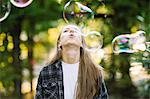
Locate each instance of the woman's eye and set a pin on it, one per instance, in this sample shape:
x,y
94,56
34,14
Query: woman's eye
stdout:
x,y
65,31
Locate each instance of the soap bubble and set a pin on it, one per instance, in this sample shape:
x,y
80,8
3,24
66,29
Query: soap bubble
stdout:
x,y
97,55
94,40
129,43
75,12
5,9
137,40
121,44
21,3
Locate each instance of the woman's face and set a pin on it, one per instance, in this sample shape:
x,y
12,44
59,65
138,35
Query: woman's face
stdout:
x,y
71,35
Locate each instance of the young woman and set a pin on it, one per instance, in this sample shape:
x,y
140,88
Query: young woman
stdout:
x,y
71,74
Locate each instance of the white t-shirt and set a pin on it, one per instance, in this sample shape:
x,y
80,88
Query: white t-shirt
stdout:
x,y
70,75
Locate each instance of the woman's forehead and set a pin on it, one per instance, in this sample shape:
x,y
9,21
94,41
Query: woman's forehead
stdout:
x,y
71,27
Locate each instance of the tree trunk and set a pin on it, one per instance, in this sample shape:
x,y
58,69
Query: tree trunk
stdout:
x,y
15,33
30,58
30,51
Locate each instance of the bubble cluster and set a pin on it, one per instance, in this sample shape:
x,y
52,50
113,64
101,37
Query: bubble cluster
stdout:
x,y
129,43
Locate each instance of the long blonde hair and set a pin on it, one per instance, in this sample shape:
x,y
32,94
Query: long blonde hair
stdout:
x,y
89,74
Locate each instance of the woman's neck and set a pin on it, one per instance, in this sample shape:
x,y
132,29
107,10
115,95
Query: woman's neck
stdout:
x,y
71,54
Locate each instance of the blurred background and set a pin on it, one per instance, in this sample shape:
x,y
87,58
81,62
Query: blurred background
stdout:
x,y
28,38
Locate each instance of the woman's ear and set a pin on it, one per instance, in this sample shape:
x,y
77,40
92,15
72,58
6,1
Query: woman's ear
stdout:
x,y
81,45
59,46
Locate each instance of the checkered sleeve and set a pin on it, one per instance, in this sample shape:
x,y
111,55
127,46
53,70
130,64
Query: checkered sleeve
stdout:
x,y
102,91
39,87
104,94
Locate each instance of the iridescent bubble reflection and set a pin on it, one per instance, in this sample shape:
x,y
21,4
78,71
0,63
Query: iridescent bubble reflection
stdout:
x,y
21,3
5,8
129,43
75,12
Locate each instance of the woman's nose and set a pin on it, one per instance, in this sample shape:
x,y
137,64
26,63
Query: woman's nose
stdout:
x,y
71,31
71,34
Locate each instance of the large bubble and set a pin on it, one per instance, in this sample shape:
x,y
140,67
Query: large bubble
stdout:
x,y
75,12
94,40
129,43
21,3
5,8
137,41
97,55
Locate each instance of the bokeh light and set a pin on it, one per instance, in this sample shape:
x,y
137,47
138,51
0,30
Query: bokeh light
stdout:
x,y
5,8
75,12
10,45
24,51
21,3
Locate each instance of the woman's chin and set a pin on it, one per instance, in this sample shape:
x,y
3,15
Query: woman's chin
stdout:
x,y
72,44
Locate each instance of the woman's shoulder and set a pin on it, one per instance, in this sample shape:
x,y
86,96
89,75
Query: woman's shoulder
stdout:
x,y
50,68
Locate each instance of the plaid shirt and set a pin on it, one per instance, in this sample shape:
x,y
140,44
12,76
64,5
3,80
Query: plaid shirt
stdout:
x,y
50,84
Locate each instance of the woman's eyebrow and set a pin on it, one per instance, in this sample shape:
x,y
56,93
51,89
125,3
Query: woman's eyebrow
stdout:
x,y
65,29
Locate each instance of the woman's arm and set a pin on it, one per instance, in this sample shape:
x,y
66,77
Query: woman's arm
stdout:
x,y
39,88
103,91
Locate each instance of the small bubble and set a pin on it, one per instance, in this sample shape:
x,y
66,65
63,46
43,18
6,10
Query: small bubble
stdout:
x,y
21,3
5,8
94,40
